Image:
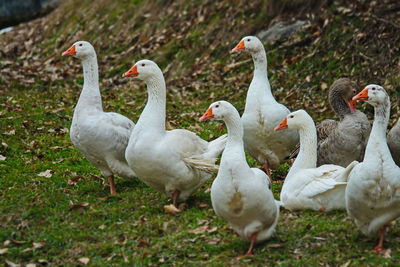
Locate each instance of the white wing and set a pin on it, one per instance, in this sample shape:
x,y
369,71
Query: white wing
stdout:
x,y
321,180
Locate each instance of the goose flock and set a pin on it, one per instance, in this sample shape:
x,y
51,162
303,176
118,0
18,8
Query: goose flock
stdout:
x,y
342,164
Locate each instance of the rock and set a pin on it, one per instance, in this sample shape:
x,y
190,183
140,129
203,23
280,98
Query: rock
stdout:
x,y
279,30
6,30
13,12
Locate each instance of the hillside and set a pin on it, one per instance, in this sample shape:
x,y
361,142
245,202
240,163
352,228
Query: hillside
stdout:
x,y
192,40
54,206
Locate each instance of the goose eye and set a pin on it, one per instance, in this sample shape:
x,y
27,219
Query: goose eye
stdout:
x,y
248,40
373,88
217,106
143,64
291,116
80,44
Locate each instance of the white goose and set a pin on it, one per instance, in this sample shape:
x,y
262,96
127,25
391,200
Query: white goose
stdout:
x,y
306,186
100,136
373,191
172,162
262,112
241,194
393,140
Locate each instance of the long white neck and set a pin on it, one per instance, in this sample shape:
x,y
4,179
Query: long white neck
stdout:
x,y
377,138
260,89
90,96
153,115
307,157
234,146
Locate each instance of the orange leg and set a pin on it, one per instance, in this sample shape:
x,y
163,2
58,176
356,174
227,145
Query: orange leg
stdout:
x,y
379,248
175,196
249,252
267,171
113,191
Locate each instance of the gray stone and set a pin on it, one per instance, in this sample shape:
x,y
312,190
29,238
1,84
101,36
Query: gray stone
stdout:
x,y
13,12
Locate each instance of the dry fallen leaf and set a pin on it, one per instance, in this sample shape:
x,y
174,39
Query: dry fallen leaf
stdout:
x,y
56,148
79,205
142,243
74,180
64,130
214,241
30,265
11,132
203,205
199,230
23,224
212,230
182,207
46,174
34,246
12,264
387,253
4,145
2,157
37,245
171,209
346,264
84,260
3,251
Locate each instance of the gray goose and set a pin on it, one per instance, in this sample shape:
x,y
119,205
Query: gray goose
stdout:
x,y
393,140
341,142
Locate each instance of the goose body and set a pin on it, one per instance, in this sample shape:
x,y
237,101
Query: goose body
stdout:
x,y
262,112
346,142
307,186
241,195
346,139
393,140
373,191
101,137
173,162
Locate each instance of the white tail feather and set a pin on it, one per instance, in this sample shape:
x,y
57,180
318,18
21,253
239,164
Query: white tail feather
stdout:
x,y
206,165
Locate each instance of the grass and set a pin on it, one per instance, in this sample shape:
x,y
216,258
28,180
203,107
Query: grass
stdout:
x,y
70,215
73,221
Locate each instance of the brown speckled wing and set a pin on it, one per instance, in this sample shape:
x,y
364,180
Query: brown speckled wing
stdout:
x,y
325,128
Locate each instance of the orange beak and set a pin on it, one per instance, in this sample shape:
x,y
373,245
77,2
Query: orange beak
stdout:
x,y
70,52
208,115
352,104
239,47
362,96
132,72
282,126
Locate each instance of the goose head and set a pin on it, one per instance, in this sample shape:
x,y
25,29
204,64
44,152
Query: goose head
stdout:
x,y
341,90
296,120
80,49
373,94
218,110
250,44
143,70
